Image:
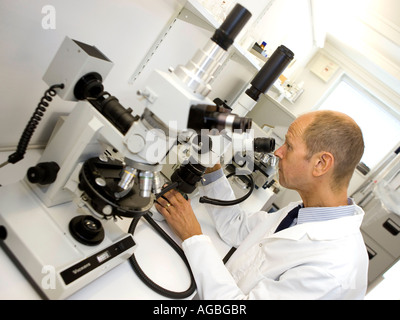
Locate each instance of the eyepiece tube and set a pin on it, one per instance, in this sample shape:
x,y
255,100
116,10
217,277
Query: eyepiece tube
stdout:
x,y
231,27
208,117
90,87
120,117
271,71
188,176
264,145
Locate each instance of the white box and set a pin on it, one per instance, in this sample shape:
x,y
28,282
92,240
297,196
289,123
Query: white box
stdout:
x,y
73,60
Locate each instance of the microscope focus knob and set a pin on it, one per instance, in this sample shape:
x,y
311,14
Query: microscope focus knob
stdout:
x,y
87,230
43,173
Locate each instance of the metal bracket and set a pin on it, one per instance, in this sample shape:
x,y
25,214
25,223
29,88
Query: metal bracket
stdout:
x,y
153,48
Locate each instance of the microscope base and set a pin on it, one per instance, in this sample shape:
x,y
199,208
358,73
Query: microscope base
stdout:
x,y
38,240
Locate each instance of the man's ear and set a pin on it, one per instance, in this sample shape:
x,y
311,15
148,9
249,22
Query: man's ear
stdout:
x,y
324,162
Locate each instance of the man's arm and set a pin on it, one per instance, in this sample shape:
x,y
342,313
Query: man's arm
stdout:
x,y
215,282
232,223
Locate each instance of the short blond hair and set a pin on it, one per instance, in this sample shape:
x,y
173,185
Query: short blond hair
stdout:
x,y
340,135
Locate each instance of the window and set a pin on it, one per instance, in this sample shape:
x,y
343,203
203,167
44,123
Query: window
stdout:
x,y
380,126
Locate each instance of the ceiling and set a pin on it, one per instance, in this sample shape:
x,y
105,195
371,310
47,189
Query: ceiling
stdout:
x,y
367,30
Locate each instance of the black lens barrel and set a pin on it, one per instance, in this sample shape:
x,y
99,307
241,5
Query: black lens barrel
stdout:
x,y
270,72
117,114
264,145
90,88
231,27
208,117
188,176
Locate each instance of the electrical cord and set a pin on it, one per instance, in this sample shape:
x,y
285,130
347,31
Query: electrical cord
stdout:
x,y
135,265
32,125
138,270
171,186
229,203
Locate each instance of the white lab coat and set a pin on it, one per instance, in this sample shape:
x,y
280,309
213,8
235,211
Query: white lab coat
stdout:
x,y
319,260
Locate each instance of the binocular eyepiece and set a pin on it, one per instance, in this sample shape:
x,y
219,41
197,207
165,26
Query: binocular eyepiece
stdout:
x,y
212,117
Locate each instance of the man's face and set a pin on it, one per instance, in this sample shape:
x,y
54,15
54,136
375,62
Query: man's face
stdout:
x,y
295,170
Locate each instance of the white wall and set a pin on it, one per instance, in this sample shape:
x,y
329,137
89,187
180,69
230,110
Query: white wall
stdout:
x,y
123,30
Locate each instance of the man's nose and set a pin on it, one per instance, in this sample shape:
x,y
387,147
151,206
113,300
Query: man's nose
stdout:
x,y
278,153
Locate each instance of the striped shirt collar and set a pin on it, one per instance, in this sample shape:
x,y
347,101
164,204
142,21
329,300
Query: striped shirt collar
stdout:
x,y
319,214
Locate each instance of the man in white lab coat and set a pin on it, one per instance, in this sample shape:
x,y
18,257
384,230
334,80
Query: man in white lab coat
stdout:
x,y
318,254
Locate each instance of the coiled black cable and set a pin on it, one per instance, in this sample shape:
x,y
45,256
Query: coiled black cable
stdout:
x,y
140,273
192,288
33,123
138,270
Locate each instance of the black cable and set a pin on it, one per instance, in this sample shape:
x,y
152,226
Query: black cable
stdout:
x,y
135,265
229,203
140,273
32,125
138,270
229,255
171,186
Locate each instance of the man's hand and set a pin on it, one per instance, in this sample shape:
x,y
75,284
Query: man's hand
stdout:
x,y
178,213
215,168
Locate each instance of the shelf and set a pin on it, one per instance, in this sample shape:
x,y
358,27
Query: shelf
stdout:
x,y
194,7
194,13
245,57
